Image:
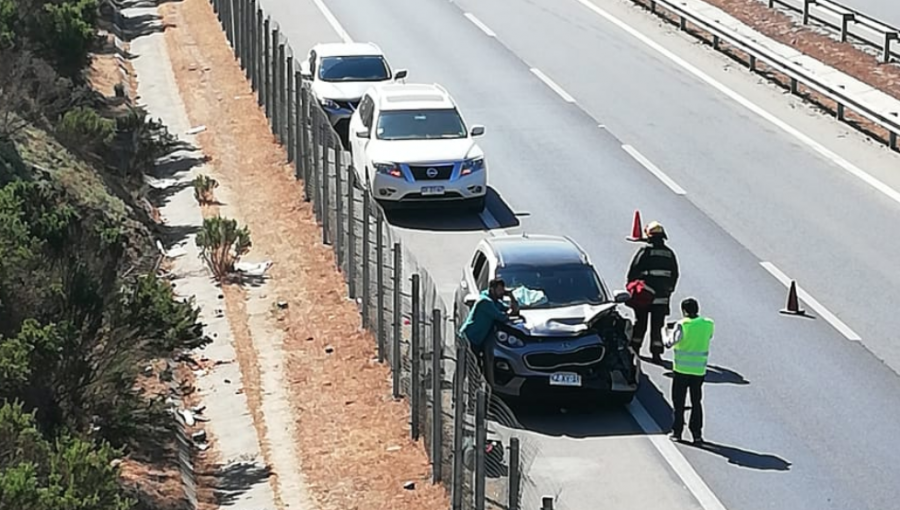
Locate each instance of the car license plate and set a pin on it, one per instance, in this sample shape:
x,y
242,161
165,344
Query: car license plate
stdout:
x,y
432,190
565,379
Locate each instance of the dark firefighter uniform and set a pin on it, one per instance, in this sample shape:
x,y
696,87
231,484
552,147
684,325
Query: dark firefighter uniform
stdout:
x,y
655,264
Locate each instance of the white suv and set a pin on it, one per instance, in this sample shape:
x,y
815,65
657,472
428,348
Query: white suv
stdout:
x,y
411,146
340,72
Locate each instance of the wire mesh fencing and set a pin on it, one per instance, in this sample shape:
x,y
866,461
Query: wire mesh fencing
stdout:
x,y
472,438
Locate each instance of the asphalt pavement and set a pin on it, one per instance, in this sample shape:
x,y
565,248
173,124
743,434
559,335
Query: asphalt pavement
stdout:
x,y
798,415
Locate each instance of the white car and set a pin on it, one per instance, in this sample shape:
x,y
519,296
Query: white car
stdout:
x,y
411,146
341,72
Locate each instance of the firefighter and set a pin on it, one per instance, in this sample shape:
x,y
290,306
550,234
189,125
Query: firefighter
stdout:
x,y
654,270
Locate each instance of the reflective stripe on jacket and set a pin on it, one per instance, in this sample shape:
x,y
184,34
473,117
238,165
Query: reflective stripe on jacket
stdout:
x,y
692,351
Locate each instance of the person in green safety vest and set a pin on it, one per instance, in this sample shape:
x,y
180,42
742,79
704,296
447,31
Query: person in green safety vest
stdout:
x,y
691,338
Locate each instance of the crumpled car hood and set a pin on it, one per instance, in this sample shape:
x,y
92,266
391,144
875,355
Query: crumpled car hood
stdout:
x,y
559,322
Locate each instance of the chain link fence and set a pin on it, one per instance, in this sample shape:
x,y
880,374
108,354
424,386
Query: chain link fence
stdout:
x,y
472,438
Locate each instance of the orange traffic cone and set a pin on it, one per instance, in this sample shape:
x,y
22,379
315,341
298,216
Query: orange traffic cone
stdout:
x,y
637,231
793,302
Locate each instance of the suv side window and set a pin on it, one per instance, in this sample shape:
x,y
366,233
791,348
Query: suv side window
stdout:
x,y
480,270
366,111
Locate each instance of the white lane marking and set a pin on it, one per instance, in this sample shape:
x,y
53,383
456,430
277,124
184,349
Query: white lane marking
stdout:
x,y
675,459
813,303
746,103
646,163
477,22
550,83
335,24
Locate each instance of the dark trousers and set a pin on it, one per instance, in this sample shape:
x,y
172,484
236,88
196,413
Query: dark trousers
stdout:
x,y
485,351
681,384
656,316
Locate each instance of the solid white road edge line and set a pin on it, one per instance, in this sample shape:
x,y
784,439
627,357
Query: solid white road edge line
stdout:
x,y
813,303
646,163
477,22
746,103
335,24
697,487
550,83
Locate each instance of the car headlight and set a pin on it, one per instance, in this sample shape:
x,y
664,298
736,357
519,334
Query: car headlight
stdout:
x,y
328,103
472,165
392,169
511,340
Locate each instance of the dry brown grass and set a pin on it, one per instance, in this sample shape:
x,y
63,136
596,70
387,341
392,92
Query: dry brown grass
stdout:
x,y
345,418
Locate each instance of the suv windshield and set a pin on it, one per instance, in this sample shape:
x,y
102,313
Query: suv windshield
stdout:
x,y
420,125
362,68
554,287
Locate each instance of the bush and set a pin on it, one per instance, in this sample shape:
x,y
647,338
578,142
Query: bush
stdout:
x,y
84,128
204,187
66,32
222,244
69,473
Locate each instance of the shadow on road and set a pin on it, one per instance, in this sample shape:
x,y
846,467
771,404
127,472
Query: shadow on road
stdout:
x,y
576,421
714,375
236,479
450,218
745,458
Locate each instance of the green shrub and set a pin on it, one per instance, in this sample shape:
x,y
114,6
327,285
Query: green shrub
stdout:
x,y
66,33
204,189
85,128
222,244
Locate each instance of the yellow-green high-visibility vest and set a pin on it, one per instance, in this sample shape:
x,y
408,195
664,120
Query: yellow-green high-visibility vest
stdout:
x,y
692,351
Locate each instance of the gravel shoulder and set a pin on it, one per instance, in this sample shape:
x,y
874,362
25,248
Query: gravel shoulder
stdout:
x,y
321,403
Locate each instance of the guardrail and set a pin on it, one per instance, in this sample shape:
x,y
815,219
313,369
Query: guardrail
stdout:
x,y
849,22
795,73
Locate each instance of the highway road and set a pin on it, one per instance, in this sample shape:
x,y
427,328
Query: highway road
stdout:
x,y
801,412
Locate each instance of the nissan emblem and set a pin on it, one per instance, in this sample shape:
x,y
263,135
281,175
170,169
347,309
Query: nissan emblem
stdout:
x,y
431,173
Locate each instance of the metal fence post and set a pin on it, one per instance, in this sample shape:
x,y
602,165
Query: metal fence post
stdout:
x,y
251,44
437,350
288,111
273,81
317,186
366,259
414,359
397,316
260,68
238,30
339,216
480,445
267,66
299,128
305,144
278,96
351,239
325,177
281,125
379,283
514,474
459,391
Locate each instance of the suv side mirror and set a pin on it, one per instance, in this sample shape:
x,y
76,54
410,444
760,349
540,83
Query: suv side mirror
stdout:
x,y
621,296
362,133
477,131
401,74
470,299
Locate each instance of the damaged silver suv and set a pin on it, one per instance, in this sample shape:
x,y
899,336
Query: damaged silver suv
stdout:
x,y
570,338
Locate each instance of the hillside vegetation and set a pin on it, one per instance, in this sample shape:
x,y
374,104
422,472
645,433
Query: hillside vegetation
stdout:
x,y
82,312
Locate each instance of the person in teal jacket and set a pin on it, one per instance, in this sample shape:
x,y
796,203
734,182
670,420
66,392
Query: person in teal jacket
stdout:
x,y
486,312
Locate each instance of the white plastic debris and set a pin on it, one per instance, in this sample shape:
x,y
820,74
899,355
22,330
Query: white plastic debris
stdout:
x,y
195,130
255,270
